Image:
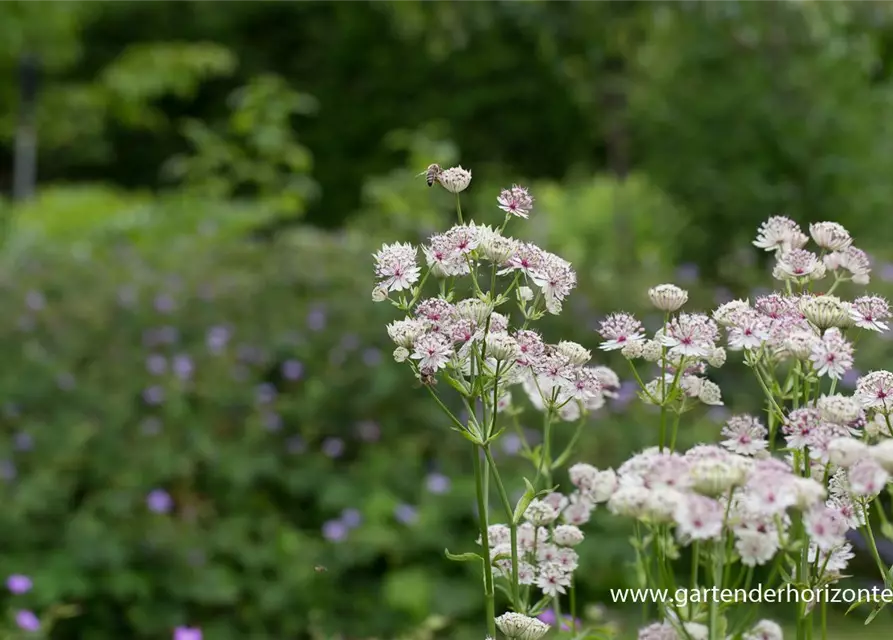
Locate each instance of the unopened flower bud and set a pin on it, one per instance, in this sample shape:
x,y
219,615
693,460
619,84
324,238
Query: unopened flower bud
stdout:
x,y
632,350
882,453
668,297
567,535
502,346
845,452
379,294
839,409
799,344
825,311
575,353
809,493
540,513
830,236
710,393
651,350
401,354
525,294
516,626
475,310
715,477
717,358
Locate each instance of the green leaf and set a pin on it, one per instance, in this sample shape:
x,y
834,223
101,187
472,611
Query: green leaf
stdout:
x,y
524,502
873,614
463,557
540,606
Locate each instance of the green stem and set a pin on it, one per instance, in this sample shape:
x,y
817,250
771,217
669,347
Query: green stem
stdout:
x,y
459,209
716,571
873,545
513,527
676,428
574,606
489,591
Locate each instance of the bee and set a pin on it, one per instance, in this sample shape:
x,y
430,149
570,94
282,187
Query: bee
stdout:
x,y
320,569
431,174
427,379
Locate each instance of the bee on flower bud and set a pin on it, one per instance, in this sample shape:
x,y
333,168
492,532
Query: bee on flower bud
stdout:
x,y
668,297
431,174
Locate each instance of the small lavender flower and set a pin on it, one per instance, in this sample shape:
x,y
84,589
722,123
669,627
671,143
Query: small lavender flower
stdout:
x,y
351,518
292,370
371,357
18,584
35,300
687,272
24,441
406,514
350,341
217,338
333,447
27,621
511,444
368,431
296,444
438,483
316,319
183,366
164,303
168,335
265,393
187,633
153,395
850,378
886,272
159,501
8,470
272,421
156,364
334,530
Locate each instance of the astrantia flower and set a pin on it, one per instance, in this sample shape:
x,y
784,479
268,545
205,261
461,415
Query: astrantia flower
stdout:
x,y
798,263
575,353
540,513
556,279
869,312
875,391
745,435
567,535
853,260
516,626
845,452
690,334
867,477
526,258
825,311
699,517
830,235
834,562
658,631
553,580
825,528
433,351
667,297
780,232
749,332
765,630
516,201
839,409
454,179
405,332
755,547
729,313
832,355
618,329
395,266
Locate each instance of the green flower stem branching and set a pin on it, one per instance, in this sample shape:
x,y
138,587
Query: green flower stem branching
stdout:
x,y
513,527
489,590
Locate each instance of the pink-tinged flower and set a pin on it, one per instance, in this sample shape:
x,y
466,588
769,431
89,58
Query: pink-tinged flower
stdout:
x,y
745,435
699,517
516,201
771,489
750,331
875,391
867,477
869,312
187,633
658,631
690,334
433,351
27,621
826,528
396,267
780,232
830,236
526,258
618,329
832,355
18,584
853,260
798,263
531,347
556,279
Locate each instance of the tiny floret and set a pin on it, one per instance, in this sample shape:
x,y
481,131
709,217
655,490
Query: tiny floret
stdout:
x,y
516,201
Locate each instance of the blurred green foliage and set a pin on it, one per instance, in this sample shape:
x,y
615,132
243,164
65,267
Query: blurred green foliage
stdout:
x,y
177,320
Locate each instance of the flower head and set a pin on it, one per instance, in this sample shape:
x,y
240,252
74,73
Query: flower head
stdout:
x,y
396,267
516,626
780,233
516,201
18,584
667,297
618,329
830,236
454,179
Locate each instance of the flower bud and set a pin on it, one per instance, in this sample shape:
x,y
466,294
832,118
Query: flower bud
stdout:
x,y
825,311
668,297
632,350
454,179
540,513
567,535
717,358
475,310
845,452
651,350
525,294
714,477
502,346
379,294
401,354
575,353
516,626
830,236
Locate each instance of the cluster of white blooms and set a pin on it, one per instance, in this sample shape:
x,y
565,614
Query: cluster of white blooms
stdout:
x,y
683,348
516,626
762,630
546,558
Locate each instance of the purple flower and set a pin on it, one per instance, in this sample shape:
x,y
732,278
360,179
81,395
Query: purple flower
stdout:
x,y
18,584
406,513
368,431
687,272
887,272
164,303
292,370
625,395
548,616
153,395
35,300
27,621
296,444
156,364
183,366
333,447
316,319
217,338
334,531
718,414
24,441
8,470
272,421
265,393
849,378
438,483
371,357
168,335
511,443
187,633
159,501
351,518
